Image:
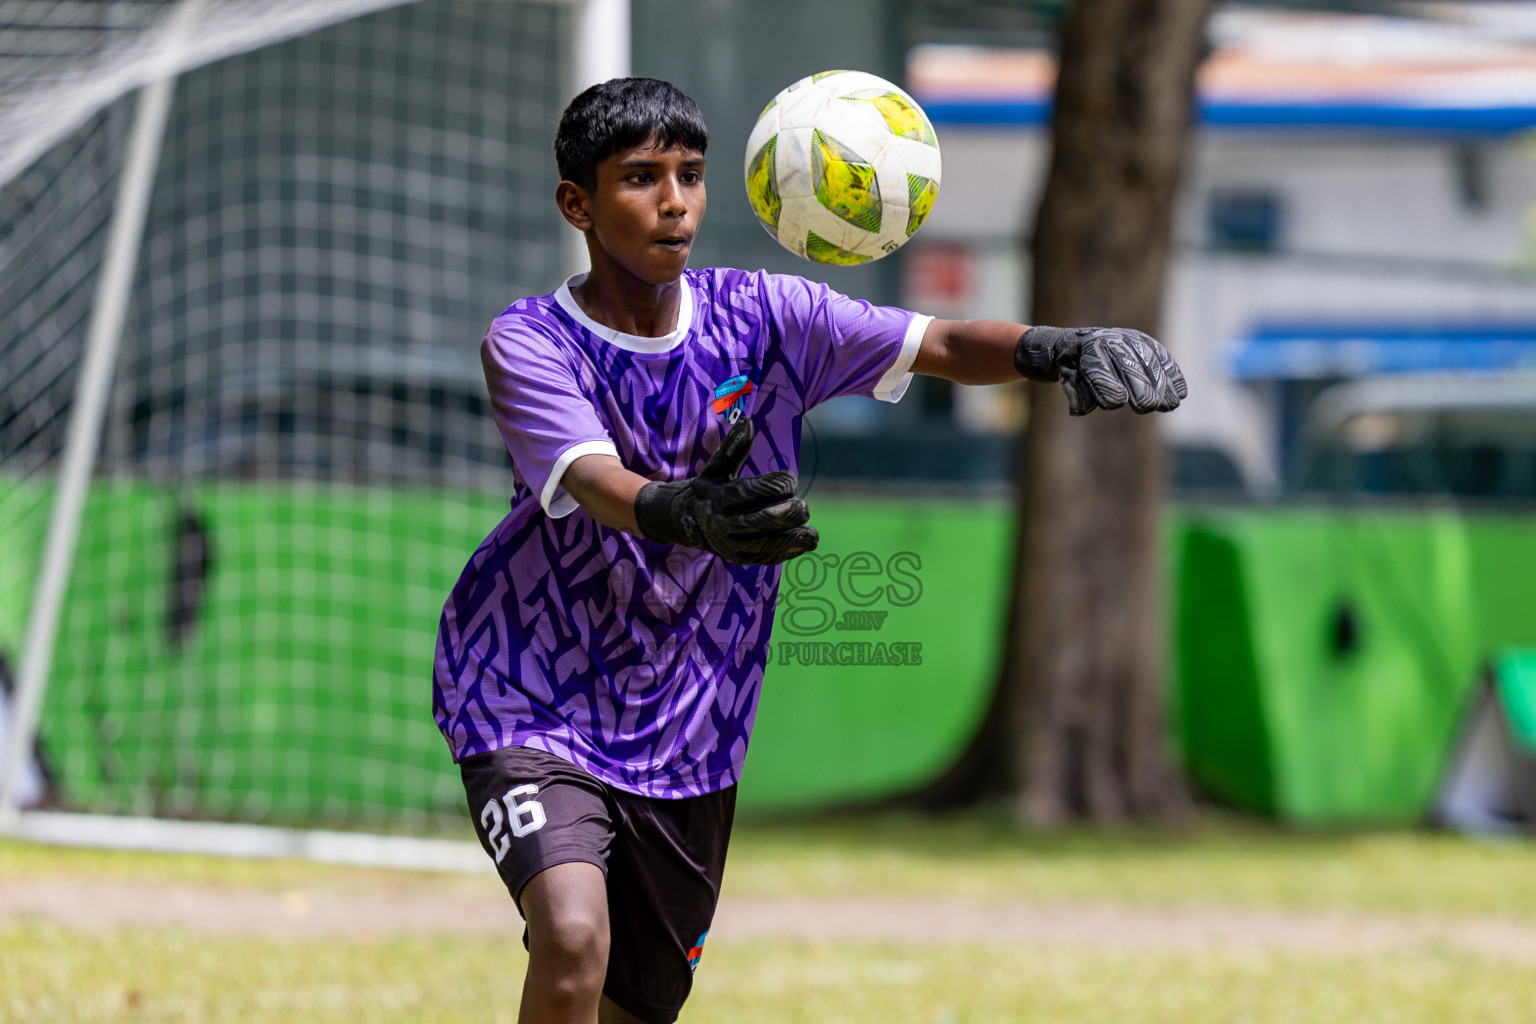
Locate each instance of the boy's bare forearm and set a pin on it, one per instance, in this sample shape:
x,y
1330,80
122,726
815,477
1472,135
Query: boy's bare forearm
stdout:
x,y
751,520
1097,367
970,351
601,485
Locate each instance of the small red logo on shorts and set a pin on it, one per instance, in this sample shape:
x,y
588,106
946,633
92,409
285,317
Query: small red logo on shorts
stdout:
x,y
696,952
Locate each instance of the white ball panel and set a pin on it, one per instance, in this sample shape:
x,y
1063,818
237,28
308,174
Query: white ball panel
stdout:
x,y
802,107
855,81
793,157
808,215
916,157
857,125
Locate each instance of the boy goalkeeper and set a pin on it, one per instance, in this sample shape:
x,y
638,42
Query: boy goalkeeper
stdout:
x,y
598,662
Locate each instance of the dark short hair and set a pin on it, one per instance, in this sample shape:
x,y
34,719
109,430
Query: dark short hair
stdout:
x,y
618,114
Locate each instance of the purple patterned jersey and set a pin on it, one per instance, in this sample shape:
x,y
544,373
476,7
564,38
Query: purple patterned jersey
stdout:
x,y
640,661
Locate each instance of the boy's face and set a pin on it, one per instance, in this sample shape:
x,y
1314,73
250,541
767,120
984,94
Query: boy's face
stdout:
x,y
644,212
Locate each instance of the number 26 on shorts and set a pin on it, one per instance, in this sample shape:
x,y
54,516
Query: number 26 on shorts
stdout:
x,y
526,817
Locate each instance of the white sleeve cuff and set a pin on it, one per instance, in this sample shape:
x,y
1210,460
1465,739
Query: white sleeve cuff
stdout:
x,y
893,384
555,499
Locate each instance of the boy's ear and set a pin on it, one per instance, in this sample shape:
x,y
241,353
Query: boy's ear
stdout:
x,y
572,201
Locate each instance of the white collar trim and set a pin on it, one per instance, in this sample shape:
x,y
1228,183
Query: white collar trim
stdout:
x,y
629,342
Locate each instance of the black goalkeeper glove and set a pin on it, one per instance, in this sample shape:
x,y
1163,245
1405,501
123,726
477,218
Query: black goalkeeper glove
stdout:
x,y
755,520
1102,367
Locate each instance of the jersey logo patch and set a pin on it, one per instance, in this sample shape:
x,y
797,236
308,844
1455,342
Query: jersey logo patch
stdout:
x,y
731,396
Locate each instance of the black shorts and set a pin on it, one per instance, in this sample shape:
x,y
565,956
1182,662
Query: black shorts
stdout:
x,y
663,860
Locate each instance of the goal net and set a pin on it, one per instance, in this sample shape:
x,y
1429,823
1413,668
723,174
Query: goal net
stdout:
x,y
297,454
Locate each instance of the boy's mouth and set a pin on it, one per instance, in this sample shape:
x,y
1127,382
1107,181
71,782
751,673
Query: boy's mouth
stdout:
x,y
675,243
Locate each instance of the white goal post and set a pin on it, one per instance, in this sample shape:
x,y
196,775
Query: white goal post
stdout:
x,y
72,69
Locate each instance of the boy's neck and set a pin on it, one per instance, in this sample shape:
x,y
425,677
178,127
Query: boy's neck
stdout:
x,y
627,304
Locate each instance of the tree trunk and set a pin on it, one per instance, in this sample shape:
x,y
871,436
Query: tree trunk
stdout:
x,y
1080,715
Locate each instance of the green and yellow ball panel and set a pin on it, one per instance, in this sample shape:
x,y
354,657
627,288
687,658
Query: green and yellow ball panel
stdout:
x,y
842,167
763,187
845,182
921,192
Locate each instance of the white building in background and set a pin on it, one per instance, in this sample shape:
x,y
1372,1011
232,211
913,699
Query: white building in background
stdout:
x,y
1361,199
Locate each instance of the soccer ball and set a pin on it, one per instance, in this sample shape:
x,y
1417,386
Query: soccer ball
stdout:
x,y
842,167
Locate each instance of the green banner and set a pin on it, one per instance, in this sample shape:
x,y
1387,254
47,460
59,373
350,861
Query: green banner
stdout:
x,y
1320,659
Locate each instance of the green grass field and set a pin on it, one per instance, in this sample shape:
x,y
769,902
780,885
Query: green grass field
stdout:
x,y
50,972
1220,863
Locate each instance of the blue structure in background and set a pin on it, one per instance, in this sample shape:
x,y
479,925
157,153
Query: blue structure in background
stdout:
x,y
1438,120
1294,351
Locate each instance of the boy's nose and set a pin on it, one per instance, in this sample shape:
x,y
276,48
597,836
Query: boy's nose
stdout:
x,y
672,202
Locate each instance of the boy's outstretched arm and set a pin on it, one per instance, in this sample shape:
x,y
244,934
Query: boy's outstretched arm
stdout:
x,y
1097,366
